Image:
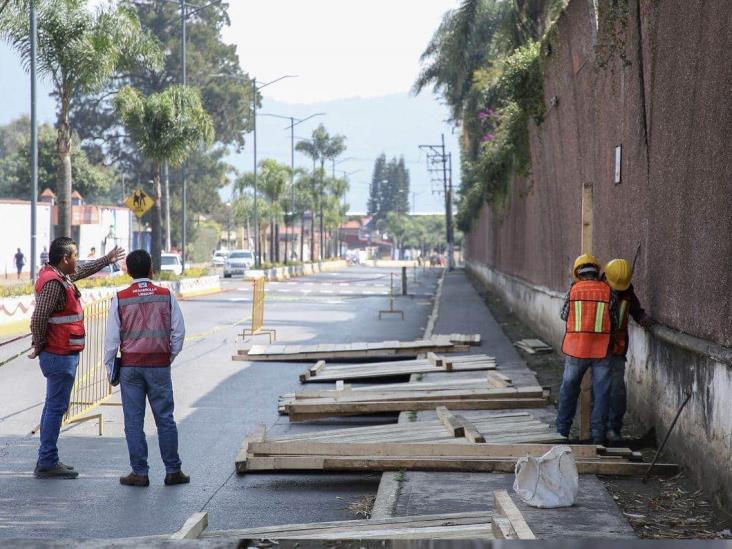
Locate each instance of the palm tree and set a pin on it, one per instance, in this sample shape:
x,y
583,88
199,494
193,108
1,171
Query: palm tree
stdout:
x,y
79,51
321,147
166,127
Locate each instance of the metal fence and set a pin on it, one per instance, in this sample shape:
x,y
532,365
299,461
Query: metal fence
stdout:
x,y
91,388
258,312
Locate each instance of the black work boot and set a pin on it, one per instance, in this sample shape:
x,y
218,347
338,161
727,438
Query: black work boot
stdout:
x,y
57,471
135,480
178,477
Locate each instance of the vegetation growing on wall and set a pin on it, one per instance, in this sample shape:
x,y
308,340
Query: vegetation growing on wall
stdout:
x,y
485,61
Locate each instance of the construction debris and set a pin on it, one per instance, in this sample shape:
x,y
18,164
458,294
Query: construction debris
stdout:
x,y
474,525
533,346
508,522
465,339
434,363
348,351
306,454
348,403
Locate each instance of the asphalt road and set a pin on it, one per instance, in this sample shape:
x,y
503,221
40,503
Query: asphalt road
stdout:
x,y
218,402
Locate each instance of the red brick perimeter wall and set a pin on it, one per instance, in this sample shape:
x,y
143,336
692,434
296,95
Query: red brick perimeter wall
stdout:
x,y
675,198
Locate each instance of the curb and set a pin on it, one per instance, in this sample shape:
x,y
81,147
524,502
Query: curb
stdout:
x,y
389,486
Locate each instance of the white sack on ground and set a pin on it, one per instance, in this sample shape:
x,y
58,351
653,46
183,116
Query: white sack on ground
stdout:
x,y
548,481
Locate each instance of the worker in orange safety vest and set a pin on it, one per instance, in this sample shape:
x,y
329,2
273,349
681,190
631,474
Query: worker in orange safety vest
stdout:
x,y
590,313
618,274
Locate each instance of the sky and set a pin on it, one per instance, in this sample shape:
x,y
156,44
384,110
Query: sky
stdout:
x,y
355,60
339,48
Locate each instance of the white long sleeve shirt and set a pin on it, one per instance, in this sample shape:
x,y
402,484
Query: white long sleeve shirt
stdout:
x,y
112,338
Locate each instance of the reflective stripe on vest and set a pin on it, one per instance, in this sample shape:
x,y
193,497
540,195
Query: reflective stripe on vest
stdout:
x,y
143,299
588,324
65,319
139,334
623,318
620,337
77,341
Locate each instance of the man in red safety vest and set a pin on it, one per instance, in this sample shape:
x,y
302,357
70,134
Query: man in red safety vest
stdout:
x,y
146,325
590,313
57,326
618,274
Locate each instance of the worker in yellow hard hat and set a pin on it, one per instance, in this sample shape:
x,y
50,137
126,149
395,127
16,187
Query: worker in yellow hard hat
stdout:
x,y
590,313
618,273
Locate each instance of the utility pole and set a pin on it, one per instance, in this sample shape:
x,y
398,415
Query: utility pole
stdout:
x,y
34,140
436,154
167,207
257,250
184,81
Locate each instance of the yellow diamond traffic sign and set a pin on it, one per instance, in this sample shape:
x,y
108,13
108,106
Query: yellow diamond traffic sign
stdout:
x,y
140,202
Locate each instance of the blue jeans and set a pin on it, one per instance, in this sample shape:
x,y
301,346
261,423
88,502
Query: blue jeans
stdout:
x,y
574,369
136,383
618,398
60,372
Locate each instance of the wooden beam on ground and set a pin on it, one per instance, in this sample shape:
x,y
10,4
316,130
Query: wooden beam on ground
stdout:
x,y
505,506
470,431
319,365
434,359
399,449
259,435
193,527
455,464
501,528
450,421
307,411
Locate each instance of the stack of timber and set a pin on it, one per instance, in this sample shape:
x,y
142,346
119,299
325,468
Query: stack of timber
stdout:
x,y
533,346
462,339
349,351
470,525
322,371
494,380
375,451
349,403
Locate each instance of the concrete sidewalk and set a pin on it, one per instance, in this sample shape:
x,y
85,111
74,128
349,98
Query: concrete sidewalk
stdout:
x,y
595,513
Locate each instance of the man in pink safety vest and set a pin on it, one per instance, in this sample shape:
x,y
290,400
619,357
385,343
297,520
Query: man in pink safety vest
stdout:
x,y
146,325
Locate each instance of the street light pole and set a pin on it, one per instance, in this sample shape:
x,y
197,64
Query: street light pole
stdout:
x,y
34,140
184,81
257,250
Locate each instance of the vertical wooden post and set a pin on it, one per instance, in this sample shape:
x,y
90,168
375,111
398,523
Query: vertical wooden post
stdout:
x,y
585,404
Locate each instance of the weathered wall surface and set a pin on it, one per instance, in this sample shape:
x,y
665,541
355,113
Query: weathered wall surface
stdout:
x,y
657,82
675,197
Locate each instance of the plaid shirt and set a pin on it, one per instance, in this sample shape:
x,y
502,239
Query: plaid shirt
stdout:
x,y
614,313
52,299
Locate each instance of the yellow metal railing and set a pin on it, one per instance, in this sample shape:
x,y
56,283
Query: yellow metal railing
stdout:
x,y
258,312
91,388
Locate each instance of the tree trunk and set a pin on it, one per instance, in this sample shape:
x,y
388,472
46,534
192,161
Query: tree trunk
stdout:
x,y
277,242
272,257
157,219
302,236
287,257
322,191
312,236
63,180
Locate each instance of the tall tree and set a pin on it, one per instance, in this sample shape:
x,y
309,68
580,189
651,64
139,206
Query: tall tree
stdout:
x,y
321,147
389,188
79,50
226,92
166,126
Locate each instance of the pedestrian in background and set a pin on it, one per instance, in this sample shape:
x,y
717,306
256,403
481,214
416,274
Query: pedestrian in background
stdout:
x,y
19,261
618,274
58,332
92,253
590,313
145,323
44,256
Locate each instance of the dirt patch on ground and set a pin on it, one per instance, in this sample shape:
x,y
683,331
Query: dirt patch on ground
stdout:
x,y
672,508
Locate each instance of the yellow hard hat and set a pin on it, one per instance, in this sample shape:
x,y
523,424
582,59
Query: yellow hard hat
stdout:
x,y
583,260
618,273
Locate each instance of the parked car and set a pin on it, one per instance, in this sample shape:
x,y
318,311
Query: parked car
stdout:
x,y
171,263
109,270
219,258
238,262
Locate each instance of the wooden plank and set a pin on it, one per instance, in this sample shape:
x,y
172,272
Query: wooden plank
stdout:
x,y
486,465
340,386
193,527
259,435
501,528
353,449
432,394
370,373
434,359
307,411
470,431
461,521
319,365
450,421
505,506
